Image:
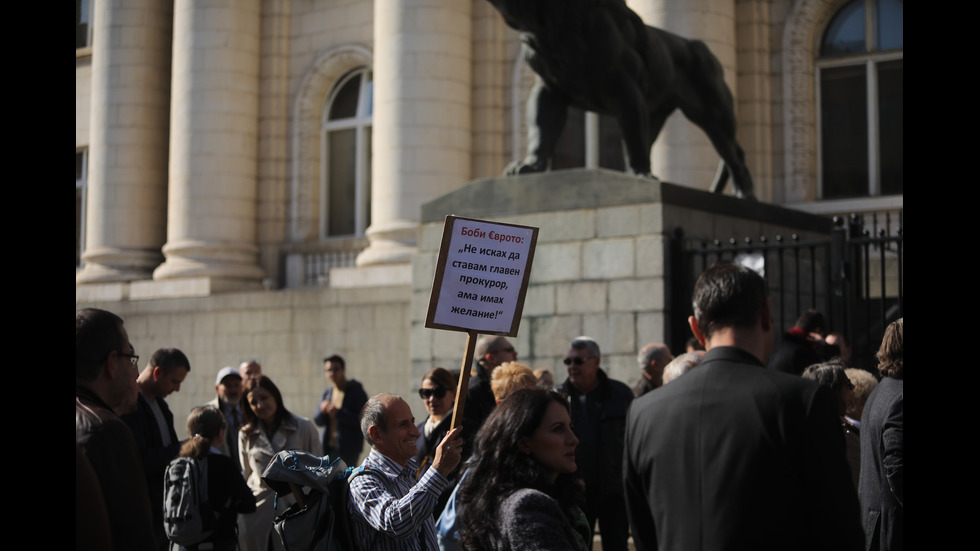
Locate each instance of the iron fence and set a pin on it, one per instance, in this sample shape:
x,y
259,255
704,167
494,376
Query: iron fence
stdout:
x,y
854,276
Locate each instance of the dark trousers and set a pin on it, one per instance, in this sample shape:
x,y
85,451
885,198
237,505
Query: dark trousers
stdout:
x,y
614,526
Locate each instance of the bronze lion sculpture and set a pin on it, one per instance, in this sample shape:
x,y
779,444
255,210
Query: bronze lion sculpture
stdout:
x,y
598,55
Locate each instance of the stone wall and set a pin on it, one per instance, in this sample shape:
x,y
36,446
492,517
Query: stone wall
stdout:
x,y
289,332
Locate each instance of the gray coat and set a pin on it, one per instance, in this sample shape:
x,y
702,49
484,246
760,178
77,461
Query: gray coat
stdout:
x,y
883,466
533,521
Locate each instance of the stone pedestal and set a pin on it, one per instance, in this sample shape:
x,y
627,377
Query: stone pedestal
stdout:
x,y
602,263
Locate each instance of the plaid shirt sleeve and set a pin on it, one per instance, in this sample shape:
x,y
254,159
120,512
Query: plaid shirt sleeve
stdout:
x,y
400,515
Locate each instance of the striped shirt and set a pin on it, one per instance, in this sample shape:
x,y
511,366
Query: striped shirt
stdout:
x,y
404,520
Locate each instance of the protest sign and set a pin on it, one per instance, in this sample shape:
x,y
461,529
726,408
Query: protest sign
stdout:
x,y
481,276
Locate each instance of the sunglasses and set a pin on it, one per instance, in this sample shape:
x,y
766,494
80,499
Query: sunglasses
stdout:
x,y
576,361
426,393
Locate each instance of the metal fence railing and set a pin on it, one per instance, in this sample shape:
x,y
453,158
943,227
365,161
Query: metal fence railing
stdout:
x,y
854,276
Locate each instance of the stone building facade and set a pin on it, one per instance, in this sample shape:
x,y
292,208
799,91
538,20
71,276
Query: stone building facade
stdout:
x,y
250,174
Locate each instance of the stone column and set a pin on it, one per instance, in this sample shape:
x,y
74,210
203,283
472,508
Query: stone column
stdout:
x,y
211,224
127,180
422,135
682,153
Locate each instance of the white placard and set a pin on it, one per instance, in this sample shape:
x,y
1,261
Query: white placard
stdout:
x,y
482,276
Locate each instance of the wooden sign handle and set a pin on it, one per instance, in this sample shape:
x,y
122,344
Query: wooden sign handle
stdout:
x,y
464,380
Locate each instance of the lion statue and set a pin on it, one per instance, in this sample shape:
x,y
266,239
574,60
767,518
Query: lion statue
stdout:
x,y
598,55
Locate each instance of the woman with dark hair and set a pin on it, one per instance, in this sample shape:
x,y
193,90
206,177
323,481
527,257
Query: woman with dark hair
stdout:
x,y
269,428
518,482
227,491
438,393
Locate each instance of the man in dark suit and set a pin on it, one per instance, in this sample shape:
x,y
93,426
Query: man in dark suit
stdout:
x,y
152,424
733,455
883,448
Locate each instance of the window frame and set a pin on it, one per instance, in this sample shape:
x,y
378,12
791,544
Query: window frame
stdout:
x,y
361,123
87,6
869,59
81,195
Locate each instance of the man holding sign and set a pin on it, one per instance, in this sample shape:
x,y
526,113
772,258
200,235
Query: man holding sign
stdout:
x,y
395,513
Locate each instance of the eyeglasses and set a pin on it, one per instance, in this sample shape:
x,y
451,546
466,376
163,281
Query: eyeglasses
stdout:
x,y
578,360
133,359
439,392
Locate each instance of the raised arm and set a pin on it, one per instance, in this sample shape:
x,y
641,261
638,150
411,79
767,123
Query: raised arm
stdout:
x,y
397,517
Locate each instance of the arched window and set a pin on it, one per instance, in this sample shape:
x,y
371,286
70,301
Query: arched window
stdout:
x,y
346,191
860,75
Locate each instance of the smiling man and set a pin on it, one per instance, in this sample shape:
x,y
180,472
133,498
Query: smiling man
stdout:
x,y
598,406
153,424
391,508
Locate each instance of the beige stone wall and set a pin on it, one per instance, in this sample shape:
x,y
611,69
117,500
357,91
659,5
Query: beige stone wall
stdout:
x,y
587,279
289,332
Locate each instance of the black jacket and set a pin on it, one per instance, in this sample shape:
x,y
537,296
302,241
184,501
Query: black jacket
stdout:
x,y
156,457
108,444
736,456
613,399
479,400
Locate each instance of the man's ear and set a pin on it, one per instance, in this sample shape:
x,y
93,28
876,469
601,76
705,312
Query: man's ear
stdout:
x,y
375,433
696,329
157,373
111,365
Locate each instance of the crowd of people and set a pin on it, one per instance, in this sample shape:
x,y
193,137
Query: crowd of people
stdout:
x,y
733,444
